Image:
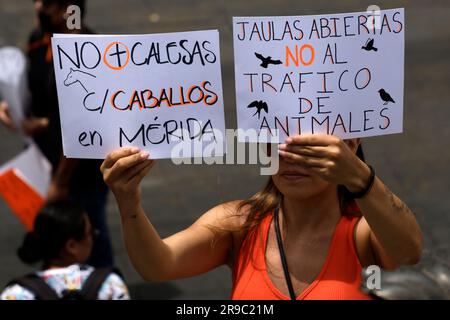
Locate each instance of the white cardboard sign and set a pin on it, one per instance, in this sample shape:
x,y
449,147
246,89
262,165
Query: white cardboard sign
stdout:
x,y
338,74
153,91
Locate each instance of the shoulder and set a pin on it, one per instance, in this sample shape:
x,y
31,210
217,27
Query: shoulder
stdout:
x,y
114,279
16,292
229,216
113,288
228,219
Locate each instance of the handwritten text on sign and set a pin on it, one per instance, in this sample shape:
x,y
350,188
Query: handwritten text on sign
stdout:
x,y
150,91
336,74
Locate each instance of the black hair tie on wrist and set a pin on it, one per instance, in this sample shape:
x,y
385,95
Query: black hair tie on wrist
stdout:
x,y
362,193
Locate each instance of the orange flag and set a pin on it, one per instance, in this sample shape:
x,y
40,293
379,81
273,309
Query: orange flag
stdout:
x,y
23,200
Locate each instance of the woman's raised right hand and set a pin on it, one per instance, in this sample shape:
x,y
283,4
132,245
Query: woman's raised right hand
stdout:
x,y
123,171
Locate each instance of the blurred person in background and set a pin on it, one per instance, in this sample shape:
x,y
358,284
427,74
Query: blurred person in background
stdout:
x,y
62,240
76,179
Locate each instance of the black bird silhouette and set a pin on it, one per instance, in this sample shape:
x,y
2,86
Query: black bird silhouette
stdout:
x,y
385,96
266,61
369,45
259,105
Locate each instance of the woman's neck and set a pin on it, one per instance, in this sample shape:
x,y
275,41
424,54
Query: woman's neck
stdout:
x,y
314,213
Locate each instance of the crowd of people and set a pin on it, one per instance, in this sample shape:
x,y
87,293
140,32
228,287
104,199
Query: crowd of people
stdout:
x,y
77,181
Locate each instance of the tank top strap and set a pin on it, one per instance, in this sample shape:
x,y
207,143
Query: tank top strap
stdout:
x,y
252,250
343,259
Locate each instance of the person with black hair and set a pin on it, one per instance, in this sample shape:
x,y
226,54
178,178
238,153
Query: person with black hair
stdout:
x,y
62,240
76,179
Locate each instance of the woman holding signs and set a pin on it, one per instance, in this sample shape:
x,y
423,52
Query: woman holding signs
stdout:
x,y
306,235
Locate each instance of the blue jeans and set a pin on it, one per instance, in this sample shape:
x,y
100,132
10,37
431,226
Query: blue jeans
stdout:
x,y
94,204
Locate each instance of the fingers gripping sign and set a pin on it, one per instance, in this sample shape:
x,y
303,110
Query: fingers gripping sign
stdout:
x,y
124,169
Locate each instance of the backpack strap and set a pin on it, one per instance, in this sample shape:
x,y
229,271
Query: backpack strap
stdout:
x,y
94,282
37,285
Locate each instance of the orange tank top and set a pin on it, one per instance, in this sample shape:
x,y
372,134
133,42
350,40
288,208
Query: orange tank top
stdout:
x,y
339,278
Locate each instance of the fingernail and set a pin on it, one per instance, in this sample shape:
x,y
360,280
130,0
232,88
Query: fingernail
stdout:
x,y
282,146
281,153
288,140
144,155
134,150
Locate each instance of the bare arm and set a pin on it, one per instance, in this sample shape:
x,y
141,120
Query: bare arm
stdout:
x,y
5,117
192,251
30,126
391,228
388,228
